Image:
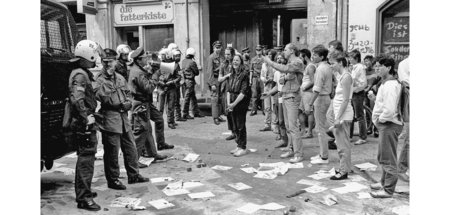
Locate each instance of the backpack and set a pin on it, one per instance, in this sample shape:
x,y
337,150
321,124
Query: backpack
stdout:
x,y
403,104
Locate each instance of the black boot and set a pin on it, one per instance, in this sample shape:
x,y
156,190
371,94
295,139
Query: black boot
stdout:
x,y
89,205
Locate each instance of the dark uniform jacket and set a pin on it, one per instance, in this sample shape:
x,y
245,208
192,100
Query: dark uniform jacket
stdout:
x,y
121,68
115,98
214,61
189,71
141,84
167,81
256,65
240,83
82,98
225,69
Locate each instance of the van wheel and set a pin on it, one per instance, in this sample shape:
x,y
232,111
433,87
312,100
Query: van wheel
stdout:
x,y
48,164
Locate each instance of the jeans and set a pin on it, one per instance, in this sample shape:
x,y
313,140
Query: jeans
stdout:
x,y
275,120
387,154
190,100
268,107
112,142
281,123
239,129
344,146
84,170
358,106
168,97
403,160
321,106
291,117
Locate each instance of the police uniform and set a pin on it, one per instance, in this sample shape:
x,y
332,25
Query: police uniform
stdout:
x,y
122,69
113,94
189,71
256,86
82,99
214,61
142,86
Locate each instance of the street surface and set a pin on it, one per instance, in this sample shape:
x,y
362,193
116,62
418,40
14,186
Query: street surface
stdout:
x,y
202,137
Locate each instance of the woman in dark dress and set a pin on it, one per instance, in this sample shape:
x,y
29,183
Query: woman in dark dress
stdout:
x,y
239,94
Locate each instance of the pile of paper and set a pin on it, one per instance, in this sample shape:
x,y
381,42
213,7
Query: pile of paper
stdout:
x,y
146,161
201,195
250,208
275,169
125,201
180,187
321,174
219,167
315,189
160,204
364,195
239,186
350,187
191,157
366,166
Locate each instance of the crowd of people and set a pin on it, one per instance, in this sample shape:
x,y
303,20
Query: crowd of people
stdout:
x,y
325,89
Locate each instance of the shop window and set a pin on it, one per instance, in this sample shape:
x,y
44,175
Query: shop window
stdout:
x,y
158,36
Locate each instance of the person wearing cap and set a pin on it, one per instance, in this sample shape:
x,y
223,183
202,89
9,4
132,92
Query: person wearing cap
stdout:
x,y
122,56
189,71
83,105
214,60
112,92
246,56
142,86
291,99
168,93
255,74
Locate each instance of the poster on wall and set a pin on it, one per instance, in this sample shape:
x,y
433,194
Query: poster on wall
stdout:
x,y
143,14
395,41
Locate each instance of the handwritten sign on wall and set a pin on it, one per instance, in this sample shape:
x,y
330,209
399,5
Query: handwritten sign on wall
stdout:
x,y
395,39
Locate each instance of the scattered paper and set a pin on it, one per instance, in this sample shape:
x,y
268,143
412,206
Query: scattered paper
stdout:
x,y
249,169
124,201
272,206
73,155
249,208
265,175
175,192
102,187
191,157
239,186
226,133
295,165
201,195
161,179
401,210
136,207
356,178
366,166
65,170
219,167
161,204
191,184
350,187
146,161
244,165
99,154
364,195
329,200
315,189
321,174
273,165
309,182
253,150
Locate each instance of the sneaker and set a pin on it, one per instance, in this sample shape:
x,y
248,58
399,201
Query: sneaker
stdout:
x,y
376,186
286,149
360,141
316,157
137,179
380,194
319,161
221,119
287,154
296,159
89,205
234,150
240,152
231,137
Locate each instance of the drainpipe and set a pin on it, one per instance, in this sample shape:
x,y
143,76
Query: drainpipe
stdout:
x,y
278,30
187,23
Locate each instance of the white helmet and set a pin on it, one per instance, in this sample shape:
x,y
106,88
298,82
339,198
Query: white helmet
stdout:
x,y
176,52
172,46
123,49
190,51
129,57
87,49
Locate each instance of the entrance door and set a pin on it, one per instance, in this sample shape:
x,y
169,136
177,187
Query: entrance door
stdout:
x,y
129,36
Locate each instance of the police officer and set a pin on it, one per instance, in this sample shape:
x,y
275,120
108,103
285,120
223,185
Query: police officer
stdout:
x,y
176,56
189,71
83,106
246,55
112,92
142,86
168,93
255,73
121,64
214,61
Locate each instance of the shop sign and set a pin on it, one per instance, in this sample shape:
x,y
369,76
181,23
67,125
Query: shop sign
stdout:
x,y
144,14
321,20
87,6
